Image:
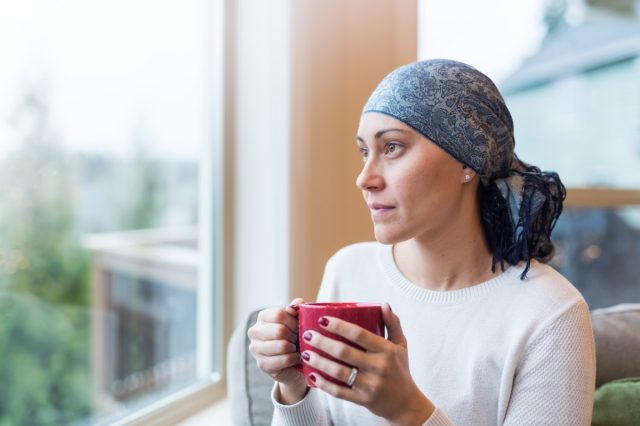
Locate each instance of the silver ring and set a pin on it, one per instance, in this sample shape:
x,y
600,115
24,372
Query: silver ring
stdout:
x,y
352,376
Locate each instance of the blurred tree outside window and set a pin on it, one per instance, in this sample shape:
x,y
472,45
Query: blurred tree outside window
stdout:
x,y
100,140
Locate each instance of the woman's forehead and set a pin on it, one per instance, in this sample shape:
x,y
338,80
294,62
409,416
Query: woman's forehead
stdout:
x,y
372,123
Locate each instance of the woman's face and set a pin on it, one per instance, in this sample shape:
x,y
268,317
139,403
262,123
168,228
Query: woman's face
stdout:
x,y
412,187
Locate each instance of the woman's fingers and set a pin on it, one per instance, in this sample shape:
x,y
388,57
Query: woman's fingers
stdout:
x,y
292,308
394,329
279,316
336,349
268,331
354,333
338,391
382,381
272,347
273,341
275,364
331,368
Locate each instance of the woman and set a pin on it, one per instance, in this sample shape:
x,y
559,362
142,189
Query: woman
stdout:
x,y
489,333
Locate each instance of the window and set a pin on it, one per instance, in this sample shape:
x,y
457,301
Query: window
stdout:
x,y
107,288
570,74
577,111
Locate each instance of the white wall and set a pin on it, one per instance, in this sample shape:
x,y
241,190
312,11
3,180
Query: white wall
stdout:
x,y
261,151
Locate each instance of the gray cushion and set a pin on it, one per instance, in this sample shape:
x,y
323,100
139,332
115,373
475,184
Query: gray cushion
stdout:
x,y
617,335
249,389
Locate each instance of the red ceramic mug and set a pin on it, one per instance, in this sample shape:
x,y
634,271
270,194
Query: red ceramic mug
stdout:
x,y
366,315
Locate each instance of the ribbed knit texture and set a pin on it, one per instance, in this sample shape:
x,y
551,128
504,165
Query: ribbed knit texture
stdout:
x,y
311,411
506,351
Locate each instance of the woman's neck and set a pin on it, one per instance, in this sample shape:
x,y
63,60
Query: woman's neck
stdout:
x,y
456,258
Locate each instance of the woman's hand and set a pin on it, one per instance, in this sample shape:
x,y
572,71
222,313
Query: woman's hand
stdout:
x,y
383,384
273,345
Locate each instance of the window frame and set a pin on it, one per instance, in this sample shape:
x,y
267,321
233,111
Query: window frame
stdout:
x,y
214,238
606,198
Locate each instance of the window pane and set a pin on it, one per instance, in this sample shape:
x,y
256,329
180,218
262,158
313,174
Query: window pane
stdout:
x,y
584,125
599,251
575,103
102,124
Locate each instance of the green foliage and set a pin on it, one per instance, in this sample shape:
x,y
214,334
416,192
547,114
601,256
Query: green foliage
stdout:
x,y
44,374
38,242
145,187
44,294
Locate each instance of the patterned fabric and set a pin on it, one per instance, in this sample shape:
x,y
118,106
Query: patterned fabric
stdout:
x,y
461,110
453,105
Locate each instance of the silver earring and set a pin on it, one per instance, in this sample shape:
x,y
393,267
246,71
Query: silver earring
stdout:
x,y
467,177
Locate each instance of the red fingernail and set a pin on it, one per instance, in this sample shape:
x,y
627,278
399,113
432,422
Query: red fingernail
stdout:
x,y
294,307
305,355
323,321
307,336
312,377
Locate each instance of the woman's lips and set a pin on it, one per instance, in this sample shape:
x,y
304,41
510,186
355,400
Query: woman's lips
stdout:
x,y
379,211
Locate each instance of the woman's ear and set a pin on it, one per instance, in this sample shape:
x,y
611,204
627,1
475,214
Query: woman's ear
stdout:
x,y
467,174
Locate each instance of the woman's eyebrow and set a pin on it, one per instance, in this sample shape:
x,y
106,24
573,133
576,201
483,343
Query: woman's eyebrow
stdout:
x,y
382,132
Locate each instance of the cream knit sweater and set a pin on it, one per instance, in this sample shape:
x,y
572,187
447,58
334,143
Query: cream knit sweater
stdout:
x,y
503,352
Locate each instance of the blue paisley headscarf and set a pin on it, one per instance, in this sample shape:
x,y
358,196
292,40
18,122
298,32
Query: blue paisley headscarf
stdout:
x,y
461,110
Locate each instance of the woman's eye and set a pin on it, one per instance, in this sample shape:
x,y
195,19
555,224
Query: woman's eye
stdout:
x,y
364,152
392,147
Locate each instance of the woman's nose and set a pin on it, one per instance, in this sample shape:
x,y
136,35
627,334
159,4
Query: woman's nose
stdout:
x,y
370,178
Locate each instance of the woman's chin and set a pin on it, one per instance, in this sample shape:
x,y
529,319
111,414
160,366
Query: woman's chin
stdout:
x,y
387,236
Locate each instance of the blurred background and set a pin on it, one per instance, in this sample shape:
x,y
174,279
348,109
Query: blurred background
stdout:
x,y
168,167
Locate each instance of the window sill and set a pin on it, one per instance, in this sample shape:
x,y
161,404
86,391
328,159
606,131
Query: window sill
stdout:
x,y
217,414
179,407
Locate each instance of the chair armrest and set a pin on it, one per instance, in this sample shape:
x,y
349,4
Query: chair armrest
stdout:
x,y
249,389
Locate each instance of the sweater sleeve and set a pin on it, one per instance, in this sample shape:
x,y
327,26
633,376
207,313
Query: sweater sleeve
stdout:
x,y
555,382
309,411
438,418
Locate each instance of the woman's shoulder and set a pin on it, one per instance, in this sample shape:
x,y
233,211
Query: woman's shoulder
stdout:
x,y
546,287
545,297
